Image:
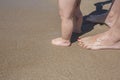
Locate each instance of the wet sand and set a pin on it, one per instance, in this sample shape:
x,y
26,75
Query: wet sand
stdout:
x,y
26,30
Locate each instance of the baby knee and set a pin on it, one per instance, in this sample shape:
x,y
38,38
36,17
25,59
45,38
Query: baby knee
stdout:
x,y
65,15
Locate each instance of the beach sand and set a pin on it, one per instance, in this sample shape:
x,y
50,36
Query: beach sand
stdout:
x,y
26,53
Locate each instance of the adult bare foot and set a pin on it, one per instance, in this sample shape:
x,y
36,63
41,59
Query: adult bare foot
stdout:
x,y
107,40
61,42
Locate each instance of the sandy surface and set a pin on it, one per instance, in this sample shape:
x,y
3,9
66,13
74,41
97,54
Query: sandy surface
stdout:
x,y
26,29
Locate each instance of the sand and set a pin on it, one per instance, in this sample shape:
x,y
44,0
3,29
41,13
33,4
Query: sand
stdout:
x,y
26,30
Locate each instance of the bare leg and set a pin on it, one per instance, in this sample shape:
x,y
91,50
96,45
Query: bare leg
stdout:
x,y
111,17
68,10
77,18
109,39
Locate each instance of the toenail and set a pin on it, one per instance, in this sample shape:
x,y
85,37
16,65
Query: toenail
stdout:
x,y
79,38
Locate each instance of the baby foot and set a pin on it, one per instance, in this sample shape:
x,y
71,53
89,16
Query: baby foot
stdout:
x,y
61,42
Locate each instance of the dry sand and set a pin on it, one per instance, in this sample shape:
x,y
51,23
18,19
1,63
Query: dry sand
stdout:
x,y
26,29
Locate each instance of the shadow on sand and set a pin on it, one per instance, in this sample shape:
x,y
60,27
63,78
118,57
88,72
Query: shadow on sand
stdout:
x,y
88,26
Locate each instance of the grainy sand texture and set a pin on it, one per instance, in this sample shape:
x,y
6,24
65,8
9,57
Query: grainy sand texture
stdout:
x,y
26,53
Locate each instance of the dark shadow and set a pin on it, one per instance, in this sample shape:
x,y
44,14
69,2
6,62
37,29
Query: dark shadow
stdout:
x,y
88,26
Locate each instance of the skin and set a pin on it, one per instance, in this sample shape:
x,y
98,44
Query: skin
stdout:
x,y
110,18
71,19
109,39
